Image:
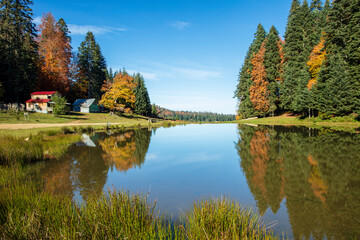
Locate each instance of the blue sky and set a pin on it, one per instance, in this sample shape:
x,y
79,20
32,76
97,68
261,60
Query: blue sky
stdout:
x,y
189,51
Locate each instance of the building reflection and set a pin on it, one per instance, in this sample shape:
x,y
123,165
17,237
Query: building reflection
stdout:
x,y
83,168
316,171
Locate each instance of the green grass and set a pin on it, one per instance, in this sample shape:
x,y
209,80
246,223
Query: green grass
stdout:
x,y
28,212
220,218
344,122
18,117
17,150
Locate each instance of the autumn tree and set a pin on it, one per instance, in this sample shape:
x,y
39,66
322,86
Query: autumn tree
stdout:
x,y
119,96
18,50
245,106
259,95
92,66
315,62
55,54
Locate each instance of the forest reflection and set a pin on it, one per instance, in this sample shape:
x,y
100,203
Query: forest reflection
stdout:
x,y
83,169
316,171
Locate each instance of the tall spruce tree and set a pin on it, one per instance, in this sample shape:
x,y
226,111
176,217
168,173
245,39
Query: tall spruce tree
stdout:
x,y
18,50
335,90
341,68
245,106
293,48
64,28
142,100
272,63
92,65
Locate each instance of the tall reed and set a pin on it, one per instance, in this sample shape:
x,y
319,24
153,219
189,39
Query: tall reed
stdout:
x,y
220,218
14,149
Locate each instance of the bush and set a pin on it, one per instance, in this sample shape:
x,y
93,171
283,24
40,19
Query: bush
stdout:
x,y
60,107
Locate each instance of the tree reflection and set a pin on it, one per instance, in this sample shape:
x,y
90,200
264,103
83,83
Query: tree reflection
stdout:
x,y
85,165
126,150
317,171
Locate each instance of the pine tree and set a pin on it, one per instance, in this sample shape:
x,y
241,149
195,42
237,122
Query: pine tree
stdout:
x,y
342,44
61,24
292,48
92,65
18,50
272,63
245,108
142,100
335,92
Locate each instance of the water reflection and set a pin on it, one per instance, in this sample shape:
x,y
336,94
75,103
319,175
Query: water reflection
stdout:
x,y
83,170
316,171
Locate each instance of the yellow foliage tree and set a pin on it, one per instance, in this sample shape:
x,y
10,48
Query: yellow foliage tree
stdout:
x,y
119,95
315,62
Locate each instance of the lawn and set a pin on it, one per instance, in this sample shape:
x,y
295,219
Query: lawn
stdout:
x,y
14,117
343,122
15,124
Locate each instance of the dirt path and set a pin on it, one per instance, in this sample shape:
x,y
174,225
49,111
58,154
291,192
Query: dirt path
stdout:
x,y
47,125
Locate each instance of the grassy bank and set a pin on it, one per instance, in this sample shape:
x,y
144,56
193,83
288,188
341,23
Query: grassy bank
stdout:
x,y
9,125
26,214
345,122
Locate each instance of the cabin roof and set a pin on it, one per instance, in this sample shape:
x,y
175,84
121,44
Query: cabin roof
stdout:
x,y
38,100
88,102
43,93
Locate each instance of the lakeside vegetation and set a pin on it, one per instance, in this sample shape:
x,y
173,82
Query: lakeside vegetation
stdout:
x,y
28,212
346,122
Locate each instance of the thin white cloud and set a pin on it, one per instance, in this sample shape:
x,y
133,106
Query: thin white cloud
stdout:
x,y
37,20
180,25
83,29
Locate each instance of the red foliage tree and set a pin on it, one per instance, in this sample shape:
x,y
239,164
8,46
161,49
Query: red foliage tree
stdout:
x,y
259,95
55,55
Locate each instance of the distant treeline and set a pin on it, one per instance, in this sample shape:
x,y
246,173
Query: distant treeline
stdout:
x,y
314,71
193,116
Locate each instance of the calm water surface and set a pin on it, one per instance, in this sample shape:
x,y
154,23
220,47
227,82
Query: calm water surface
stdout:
x,y
305,182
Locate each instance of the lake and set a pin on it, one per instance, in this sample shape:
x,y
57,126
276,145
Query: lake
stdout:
x,y
304,182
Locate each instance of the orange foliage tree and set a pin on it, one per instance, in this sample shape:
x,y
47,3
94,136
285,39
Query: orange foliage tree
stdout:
x,y
259,95
315,62
119,95
55,54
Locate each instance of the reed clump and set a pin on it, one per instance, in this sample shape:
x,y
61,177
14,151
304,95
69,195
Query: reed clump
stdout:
x,y
15,149
118,215
221,218
26,214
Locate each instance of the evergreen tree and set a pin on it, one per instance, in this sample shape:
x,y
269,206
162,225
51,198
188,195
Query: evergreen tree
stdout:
x,y
154,111
341,69
272,63
64,28
92,65
293,48
335,91
18,50
142,100
246,108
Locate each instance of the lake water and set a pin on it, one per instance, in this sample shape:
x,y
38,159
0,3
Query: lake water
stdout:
x,y
305,182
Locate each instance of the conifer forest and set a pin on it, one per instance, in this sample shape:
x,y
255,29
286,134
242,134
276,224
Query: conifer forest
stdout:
x,y
313,71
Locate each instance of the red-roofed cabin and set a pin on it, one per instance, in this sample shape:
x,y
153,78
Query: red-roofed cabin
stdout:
x,y
40,102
